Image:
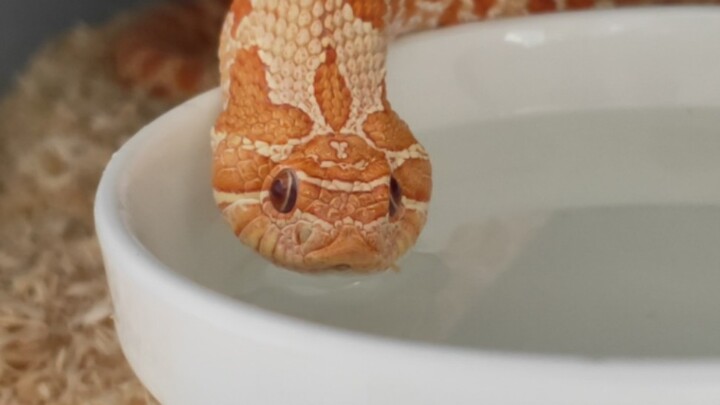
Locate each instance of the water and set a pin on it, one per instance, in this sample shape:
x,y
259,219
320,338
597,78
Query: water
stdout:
x,y
586,233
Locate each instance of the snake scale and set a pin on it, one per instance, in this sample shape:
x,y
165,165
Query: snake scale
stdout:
x,y
311,166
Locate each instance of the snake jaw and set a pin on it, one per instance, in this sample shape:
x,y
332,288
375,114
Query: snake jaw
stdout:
x,y
348,250
304,243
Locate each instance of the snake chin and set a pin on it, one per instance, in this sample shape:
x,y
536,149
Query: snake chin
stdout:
x,y
315,247
343,249
350,249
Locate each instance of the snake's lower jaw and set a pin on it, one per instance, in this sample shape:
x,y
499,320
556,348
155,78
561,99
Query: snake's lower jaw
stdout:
x,y
349,251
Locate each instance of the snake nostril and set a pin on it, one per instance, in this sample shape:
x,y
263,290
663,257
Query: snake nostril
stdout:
x,y
302,233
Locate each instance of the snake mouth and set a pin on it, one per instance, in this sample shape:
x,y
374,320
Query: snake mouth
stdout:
x,y
347,252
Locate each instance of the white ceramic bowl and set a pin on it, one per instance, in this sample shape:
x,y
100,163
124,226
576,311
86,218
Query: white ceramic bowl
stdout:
x,y
570,257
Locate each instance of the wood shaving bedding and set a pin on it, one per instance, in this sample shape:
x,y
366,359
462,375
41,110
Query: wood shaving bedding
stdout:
x,y
58,128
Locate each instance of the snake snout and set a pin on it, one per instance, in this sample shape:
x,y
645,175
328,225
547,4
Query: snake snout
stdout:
x,y
348,251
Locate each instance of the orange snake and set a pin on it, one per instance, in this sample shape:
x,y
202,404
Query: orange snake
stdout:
x,y
311,166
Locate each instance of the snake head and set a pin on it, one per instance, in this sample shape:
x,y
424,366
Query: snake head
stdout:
x,y
335,203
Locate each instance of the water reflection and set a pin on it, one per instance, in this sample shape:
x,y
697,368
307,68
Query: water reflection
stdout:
x,y
623,281
426,300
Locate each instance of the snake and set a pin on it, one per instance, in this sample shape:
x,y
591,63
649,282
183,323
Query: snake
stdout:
x,y
311,166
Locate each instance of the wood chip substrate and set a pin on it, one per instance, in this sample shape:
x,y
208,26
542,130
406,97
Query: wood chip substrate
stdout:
x,y
59,125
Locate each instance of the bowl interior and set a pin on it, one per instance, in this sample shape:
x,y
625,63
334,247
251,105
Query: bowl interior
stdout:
x,y
575,206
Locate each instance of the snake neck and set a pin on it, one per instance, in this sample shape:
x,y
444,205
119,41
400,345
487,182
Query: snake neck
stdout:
x,y
325,59
317,61
170,50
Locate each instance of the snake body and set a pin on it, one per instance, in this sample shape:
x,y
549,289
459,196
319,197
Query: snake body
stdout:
x,y
312,168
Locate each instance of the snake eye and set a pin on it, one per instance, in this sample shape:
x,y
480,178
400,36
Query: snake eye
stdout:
x,y
395,196
283,191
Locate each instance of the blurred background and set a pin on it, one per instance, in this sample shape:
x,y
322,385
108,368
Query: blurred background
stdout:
x,y
27,24
58,128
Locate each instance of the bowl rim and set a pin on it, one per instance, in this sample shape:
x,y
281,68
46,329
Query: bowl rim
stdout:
x,y
116,238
